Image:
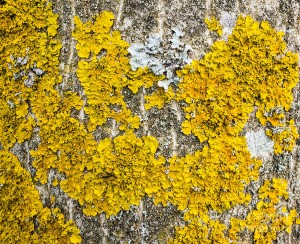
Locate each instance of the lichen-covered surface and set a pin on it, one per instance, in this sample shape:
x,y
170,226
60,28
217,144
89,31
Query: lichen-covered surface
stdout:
x,y
149,121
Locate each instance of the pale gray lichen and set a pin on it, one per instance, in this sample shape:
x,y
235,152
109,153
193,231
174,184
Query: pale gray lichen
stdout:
x,y
161,62
153,44
29,82
176,43
141,55
31,73
38,71
259,144
227,20
127,23
10,104
21,60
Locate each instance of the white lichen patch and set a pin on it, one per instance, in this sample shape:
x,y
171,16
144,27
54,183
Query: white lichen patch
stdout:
x,y
227,20
31,76
161,61
259,144
176,43
141,55
31,73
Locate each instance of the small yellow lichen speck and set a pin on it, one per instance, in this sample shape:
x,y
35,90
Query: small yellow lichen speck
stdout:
x,y
158,98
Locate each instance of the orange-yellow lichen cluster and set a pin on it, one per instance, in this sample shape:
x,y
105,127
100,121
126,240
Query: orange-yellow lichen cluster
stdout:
x,y
214,25
265,221
104,70
158,98
268,218
220,91
211,231
27,29
251,69
248,70
120,170
28,72
23,219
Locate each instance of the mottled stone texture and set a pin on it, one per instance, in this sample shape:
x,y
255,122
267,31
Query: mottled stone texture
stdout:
x,y
136,19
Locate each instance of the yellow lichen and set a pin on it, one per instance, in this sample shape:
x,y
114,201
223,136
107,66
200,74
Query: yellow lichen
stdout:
x,y
107,71
65,142
117,172
199,231
235,76
214,178
28,72
23,219
268,218
23,48
284,138
121,172
214,25
158,98
251,69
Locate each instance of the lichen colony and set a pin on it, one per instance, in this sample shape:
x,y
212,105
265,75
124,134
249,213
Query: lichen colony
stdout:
x,y
250,71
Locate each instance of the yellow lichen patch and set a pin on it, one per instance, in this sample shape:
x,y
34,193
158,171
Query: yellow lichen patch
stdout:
x,y
220,91
251,69
198,231
24,41
29,67
24,62
104,71
15,123
213,178
222,88
214,25
268,218
158,98
29,70
121,172
123,169
282,131
284,137
22,216
276,118
65,142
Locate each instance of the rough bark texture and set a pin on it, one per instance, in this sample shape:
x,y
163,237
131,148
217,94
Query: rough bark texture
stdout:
x,y
136,20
